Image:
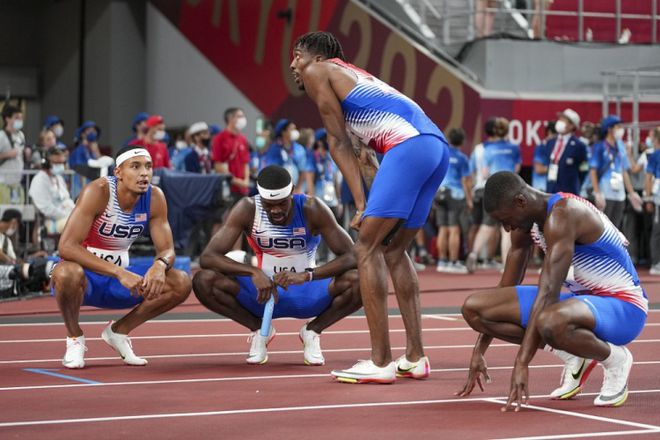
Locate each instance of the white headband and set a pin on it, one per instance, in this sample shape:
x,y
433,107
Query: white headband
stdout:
x,y
123,157
275,194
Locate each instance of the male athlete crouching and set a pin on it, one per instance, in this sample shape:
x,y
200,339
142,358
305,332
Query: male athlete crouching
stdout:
x,y
109,215
284,230
605,309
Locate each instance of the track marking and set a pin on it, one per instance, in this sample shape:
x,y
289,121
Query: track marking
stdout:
x,y
441,317
48,372
276,410
586,435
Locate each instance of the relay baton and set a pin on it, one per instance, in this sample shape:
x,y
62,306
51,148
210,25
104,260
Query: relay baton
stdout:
x,y
268,316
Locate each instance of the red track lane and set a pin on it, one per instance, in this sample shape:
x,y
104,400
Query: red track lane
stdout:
x,y
222,382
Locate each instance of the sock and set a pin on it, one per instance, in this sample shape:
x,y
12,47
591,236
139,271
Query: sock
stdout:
x,y
561,354
617,356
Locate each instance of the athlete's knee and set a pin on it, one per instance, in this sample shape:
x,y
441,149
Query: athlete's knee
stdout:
x,y
394,255
553,324
179,284
68,279
202,282
472,310
364,251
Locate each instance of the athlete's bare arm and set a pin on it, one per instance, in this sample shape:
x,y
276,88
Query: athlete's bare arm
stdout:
x,y
320,220
238,221
161,235
320,79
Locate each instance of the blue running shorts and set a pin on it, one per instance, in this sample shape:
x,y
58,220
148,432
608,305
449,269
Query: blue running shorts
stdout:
x,y
617,321
407,180
300,301
106,292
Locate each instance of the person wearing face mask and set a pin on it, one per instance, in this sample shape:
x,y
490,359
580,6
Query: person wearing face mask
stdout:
x,y
11,220
139,127
652,196
609,167
87,147
12,147
231,154
287,152
198,159
153,142
49,192
56,125
45,142
565,155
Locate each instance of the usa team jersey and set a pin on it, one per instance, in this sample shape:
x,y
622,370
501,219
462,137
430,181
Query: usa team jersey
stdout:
x,y
379,115
114,231
601,268
291,247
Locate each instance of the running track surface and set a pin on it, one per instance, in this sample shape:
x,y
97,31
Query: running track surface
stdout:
x,y
197,384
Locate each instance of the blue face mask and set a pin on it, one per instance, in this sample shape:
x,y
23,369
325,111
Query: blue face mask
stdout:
x,y
91,137
57,169
260,142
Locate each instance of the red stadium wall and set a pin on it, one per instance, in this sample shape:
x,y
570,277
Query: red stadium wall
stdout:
x,y
251,46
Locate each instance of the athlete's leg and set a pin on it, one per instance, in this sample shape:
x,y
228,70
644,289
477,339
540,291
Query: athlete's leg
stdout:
x,y
443,243
496,313
176,290
345,292
69,283
218,293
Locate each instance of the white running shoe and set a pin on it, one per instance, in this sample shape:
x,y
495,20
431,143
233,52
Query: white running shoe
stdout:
x,y
122,345
367,372
458,267
311,347
655,269
471,262
442,266
575,374
258,347
75,352
415,370
614,391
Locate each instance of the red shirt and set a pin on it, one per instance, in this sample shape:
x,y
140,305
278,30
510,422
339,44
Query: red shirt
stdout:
x,y
232,149
159,156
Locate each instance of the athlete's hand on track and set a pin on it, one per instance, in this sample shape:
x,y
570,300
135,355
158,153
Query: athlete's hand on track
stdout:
x,y
131,281
153,281
265,287
478,370
286,278
357,220
519,392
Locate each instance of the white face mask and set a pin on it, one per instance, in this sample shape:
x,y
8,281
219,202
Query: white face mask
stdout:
x,y
10,232
295,135
180,145
619,132
649,142
58,131
241,123
560,127
18,124
57,169
159,135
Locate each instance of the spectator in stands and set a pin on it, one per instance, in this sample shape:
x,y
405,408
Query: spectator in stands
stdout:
x,y
541,159
565,155
308,141
287,152
49,192
139,128
199,159
589,133
326,174
12,146
539,7
453,196
500,155
636,228
609,168
153,142
45,142
261,141
9,224
179,151
484,19
652,196
231,153
56,125
87,147
214,129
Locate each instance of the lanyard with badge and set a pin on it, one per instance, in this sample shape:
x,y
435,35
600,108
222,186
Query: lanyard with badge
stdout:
x,y
616,178
555,157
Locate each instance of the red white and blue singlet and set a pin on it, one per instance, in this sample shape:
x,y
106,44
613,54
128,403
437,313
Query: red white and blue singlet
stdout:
x,y
601,268
291,247
114,231
380,116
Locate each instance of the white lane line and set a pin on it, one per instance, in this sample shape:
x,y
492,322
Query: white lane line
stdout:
x,y
265,377
579,415
440,317
586,435
264,410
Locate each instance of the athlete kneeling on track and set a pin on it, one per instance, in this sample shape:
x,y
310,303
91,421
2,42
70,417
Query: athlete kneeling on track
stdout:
x,y
110,214
284,230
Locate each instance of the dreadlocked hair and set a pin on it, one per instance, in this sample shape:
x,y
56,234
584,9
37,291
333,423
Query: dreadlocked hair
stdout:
x,y
320,43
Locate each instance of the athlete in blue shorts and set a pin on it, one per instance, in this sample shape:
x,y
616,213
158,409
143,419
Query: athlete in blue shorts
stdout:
x,y
284,230
359,109
604,310
110,214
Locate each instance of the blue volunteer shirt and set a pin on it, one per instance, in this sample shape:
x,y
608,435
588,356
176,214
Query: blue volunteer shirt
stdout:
x,y
295,161
607,160
540,181
568,175
653,168
501,156
458,168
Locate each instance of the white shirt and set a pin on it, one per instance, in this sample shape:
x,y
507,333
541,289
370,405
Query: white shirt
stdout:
x,y
11,169
10,247
51,196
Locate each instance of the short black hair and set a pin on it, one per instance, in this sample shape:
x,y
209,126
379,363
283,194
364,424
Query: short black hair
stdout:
x,y
273,177
230,112
456,137
320,43
501,188
53,151
11,214
489,127
9,111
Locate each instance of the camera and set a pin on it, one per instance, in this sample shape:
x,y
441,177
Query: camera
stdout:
x,y
16,279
